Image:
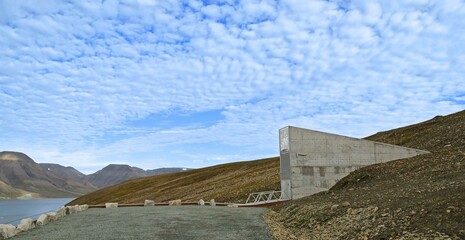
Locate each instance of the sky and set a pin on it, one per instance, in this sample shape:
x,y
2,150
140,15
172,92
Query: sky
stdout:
x,y
154,83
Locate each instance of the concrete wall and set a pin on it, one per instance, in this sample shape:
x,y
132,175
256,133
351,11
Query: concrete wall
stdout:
x,y
313,161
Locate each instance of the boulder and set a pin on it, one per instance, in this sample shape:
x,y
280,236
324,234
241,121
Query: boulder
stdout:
x,y
176,202
149,203
71,210
42,220
111,205
201,202
212,203
7,230
61,212
80,208
25,225
52,216
77,208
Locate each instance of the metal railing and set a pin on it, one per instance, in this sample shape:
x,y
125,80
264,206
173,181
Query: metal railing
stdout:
x,y
264,197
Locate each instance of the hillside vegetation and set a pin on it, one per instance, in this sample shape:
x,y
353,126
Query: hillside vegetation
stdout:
x,y
417,198
225,183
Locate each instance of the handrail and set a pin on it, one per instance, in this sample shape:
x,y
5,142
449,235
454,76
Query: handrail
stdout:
x,y
264,197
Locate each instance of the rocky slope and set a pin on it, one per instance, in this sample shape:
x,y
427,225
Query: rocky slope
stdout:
x,y
20,175
113,174
417,198
68,172
117,173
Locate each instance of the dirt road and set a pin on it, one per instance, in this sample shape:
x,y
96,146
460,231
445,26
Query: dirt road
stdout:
x,y
179,222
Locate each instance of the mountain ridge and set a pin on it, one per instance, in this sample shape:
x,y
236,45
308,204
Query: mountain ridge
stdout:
x,y
20,175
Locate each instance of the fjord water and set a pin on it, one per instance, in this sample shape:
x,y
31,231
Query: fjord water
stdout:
x,y
12,211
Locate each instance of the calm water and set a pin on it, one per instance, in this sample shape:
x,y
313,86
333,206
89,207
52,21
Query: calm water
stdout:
x,y
12,211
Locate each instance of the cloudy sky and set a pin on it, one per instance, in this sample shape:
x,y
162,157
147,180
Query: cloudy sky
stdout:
x,y
155,83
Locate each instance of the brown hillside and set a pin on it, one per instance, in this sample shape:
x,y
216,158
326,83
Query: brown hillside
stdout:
x,y
417,198
20,175
225,183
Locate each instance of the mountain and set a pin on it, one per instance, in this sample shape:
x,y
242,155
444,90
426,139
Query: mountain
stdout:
x,y
68,172
159,171
113,174
117,173
20,175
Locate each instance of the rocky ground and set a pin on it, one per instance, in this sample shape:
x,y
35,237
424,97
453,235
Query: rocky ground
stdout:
x,y
417,198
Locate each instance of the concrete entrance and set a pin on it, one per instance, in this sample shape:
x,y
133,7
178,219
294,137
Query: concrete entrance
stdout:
x,y
313,161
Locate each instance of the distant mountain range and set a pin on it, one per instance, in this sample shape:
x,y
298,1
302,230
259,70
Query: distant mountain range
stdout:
x,y
20,176
116,173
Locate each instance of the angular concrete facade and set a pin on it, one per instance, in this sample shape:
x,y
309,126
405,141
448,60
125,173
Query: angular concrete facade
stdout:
x,y
313,161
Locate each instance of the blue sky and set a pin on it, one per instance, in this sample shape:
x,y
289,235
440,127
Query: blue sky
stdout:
x,y
196,83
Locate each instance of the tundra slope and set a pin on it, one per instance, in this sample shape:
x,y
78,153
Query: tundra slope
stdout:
x,y
417,198
225,183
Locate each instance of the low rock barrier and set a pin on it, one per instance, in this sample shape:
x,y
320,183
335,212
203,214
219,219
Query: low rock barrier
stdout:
x,y
111,205
149,203
9,230
176,202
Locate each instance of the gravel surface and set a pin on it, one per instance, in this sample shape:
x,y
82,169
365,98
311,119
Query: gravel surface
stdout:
x,y
180,222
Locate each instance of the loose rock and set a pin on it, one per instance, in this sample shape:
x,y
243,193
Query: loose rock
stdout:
x,y
201,202
345,204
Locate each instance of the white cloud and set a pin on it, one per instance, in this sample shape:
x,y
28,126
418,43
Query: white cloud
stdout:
x,y
72,75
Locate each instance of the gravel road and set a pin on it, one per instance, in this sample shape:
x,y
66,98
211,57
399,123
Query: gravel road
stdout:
x,y
176,222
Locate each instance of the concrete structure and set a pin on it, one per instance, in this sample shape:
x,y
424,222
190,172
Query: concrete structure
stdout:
x,y
176,202
313,161
149,203
111,205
